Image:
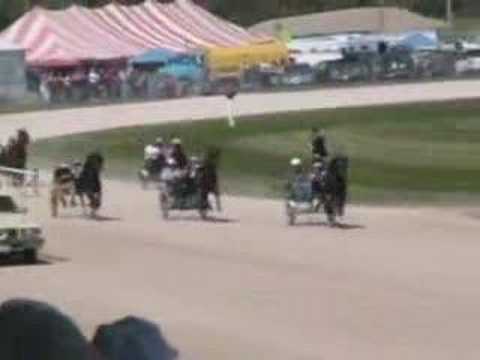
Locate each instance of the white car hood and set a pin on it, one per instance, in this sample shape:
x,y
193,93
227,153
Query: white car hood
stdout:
x,y
15,221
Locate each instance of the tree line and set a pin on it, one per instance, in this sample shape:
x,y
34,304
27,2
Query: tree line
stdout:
x,y
245,12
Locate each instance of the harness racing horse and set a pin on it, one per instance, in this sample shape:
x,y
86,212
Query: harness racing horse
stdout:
x,y
208,179
335,188
63,186
89,182
15,154
190,188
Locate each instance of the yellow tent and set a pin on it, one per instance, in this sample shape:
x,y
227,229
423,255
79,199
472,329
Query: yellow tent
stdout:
x,y
239,58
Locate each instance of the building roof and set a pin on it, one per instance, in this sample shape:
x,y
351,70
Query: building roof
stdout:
x,y
76,34
365,19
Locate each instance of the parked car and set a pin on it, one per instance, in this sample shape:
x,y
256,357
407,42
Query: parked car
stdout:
x,y
431,63
469,62
347,70
186,68
299,74
18,236
398,64
262,76
222,84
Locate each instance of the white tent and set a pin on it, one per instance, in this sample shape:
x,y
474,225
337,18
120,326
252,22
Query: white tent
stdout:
x,y
12,72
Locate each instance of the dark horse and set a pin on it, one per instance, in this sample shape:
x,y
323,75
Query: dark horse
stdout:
x,y
336,187
208,179
89,182
20,149
16,153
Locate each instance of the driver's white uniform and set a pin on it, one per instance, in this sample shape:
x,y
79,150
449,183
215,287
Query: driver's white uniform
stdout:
x,y
151,152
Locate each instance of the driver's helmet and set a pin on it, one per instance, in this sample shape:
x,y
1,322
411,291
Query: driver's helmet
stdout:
x,y
176,141
296,162
318,165
159,141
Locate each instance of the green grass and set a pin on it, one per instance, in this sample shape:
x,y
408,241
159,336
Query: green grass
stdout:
x,y
426,153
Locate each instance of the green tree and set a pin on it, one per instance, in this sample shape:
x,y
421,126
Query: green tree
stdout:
x,y
10,10
245,12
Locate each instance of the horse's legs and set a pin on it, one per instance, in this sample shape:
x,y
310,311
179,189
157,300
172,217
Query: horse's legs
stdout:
x,y
94,202
340,203
73,197
329,208
218,202
90,201
203,198
54,202
82,202
63,199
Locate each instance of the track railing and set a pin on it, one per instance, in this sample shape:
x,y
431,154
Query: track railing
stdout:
x,y
25,180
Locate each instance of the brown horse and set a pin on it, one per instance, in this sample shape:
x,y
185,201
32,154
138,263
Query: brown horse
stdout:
x,y
63,187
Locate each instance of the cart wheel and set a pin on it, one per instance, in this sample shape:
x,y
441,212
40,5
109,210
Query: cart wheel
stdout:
x,y
331,220
30,256
143,180
291,216
203,214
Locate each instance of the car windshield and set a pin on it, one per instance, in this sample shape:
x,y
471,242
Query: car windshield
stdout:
x,y
7,205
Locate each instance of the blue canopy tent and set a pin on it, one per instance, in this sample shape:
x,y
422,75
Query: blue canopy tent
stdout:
x,y
419,42
154,57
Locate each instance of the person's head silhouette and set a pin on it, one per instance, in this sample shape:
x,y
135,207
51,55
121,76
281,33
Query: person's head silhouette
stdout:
x,y
132,338
31,330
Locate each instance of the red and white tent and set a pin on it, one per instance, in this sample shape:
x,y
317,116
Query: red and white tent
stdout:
x,y
62,37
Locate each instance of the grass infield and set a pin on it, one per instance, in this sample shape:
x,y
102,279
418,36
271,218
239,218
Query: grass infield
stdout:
x,y
407,154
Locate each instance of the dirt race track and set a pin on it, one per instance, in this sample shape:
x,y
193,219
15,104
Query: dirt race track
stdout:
x,y
391,284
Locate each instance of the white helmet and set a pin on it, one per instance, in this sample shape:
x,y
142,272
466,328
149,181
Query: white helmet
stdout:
x,y
176,141
171,162
295,162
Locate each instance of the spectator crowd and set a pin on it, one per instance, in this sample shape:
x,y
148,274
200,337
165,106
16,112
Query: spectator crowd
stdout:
x,y
99,83
32,330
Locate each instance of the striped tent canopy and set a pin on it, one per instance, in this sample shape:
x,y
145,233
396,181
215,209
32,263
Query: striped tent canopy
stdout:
x,y
64,37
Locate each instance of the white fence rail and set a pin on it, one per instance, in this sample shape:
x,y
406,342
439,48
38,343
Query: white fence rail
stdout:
x,y
26,180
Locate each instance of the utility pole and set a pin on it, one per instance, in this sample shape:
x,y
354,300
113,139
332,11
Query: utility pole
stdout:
x,y
381,3
449,12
